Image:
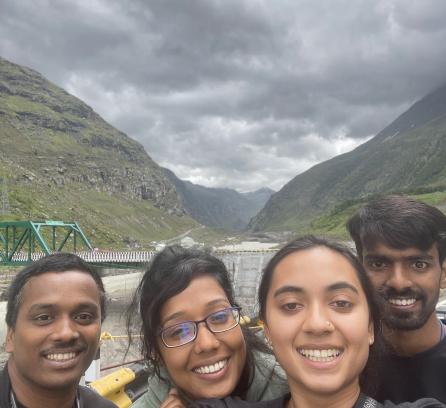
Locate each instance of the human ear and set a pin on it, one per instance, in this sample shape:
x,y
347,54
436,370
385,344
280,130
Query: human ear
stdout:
x,y
371,334
267,335
443,275
9,345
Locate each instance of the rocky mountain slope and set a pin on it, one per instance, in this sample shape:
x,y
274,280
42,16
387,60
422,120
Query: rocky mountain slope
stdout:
x,y
409,155
61,160
222,208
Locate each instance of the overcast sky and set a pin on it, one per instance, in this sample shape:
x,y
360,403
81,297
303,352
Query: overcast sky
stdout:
x,y
236,93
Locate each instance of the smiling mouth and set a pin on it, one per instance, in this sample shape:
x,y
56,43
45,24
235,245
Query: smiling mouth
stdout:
x,y
320,355
59,357
212,368
402,301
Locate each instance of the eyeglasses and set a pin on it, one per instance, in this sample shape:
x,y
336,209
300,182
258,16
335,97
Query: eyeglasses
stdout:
x,y
186,332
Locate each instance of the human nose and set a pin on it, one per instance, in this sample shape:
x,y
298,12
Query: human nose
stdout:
x,y
317,320
399,278
65,330
205,340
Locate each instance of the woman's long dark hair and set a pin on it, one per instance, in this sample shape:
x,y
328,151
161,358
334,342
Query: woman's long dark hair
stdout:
x,y
170,272
370,372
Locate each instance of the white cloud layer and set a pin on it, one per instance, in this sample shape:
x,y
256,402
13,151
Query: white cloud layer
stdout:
x,y
236,93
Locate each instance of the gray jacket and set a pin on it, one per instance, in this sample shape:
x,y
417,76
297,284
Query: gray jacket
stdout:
x,y
269,383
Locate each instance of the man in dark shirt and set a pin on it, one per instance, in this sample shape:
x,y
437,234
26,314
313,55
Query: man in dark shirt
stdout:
x,y
54,313
402,244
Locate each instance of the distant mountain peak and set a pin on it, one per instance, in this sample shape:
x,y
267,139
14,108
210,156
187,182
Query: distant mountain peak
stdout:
x,y
219,207
407,155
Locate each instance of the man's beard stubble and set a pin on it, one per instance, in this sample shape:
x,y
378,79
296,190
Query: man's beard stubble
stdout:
x,y
402,319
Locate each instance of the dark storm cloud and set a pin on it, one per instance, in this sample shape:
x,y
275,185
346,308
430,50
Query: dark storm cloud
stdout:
x,y
236,93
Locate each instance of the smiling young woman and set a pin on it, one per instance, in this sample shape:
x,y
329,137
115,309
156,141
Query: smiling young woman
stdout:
x,y
321,319
191,336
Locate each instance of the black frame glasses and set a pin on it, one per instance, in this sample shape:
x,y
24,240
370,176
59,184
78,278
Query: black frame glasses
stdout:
x,y
192,326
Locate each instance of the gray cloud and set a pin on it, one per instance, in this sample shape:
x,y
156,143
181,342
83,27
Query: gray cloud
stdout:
x,y
236,93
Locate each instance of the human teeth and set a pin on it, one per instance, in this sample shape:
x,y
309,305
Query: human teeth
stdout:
x,y
320,355
61,356
209,369
402,302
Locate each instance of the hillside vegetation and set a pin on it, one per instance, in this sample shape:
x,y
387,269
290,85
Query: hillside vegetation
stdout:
x,y
332,224
408,156
60,160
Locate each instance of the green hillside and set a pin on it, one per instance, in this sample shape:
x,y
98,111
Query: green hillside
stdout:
x,y
60,160
408,156
333,223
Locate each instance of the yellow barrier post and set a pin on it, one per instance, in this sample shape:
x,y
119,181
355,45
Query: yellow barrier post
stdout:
x,y
112,386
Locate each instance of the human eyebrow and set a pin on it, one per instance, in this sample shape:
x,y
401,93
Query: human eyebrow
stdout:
x,y
218,301
40,307
181,313
91,306
376,257
421,257
173,316
288,289
342,285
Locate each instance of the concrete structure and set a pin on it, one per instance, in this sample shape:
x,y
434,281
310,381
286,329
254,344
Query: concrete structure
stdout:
x,y
246,271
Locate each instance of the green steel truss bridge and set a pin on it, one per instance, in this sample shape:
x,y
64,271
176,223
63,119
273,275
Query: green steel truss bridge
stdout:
x,y
22,242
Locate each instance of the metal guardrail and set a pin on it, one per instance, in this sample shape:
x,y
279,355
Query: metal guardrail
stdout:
x,y
93,256
119,257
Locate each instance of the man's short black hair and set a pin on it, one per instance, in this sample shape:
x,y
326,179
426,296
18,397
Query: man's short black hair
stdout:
x,y
398,222
59,262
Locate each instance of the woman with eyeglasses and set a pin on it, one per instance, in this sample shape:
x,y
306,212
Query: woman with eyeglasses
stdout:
x,y
192,339
322,321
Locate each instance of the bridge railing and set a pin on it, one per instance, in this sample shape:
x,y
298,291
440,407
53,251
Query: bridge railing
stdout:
x,y
132,257
116,256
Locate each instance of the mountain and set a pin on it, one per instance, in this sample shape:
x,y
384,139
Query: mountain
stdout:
x,y
222,208
60,160
409,155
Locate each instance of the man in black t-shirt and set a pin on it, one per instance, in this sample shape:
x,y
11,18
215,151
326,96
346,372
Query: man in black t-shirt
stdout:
x,y
402,244
54,313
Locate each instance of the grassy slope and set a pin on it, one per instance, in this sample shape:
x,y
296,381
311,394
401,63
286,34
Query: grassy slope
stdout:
x,y
405,162
49,138
333,223
109,221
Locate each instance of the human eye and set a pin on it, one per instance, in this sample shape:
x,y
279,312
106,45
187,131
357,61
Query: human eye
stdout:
x,y
376,264
85,318
42,319
178,332
291,306
220,317
420,265
342,304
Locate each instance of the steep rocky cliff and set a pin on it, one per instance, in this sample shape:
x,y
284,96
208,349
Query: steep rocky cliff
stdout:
x,y
61,159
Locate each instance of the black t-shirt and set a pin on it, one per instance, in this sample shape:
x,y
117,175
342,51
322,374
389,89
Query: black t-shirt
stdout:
x,y
362,402
411,378
87,397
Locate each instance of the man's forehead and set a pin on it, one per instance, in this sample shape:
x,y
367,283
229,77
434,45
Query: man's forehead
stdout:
x,y
52,284
383,249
